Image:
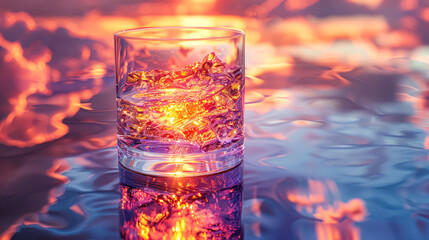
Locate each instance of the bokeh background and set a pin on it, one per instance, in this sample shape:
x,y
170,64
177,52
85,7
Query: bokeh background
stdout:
x,y
337,108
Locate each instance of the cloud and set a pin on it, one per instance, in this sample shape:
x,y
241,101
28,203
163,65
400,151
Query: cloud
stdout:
x,y
38,88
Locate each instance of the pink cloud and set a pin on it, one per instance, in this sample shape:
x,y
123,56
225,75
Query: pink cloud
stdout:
x,y
35,63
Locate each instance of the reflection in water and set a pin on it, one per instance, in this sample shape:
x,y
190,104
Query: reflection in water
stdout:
x,y
327,215
206,207
336,92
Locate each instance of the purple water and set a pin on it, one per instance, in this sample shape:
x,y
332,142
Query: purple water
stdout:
x,y
332,151
337,124
188,208
326,159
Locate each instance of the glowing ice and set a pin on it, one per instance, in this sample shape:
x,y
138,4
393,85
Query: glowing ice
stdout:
x,y
200,105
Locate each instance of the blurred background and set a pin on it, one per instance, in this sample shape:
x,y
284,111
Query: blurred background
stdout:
x,y
48,45
349,75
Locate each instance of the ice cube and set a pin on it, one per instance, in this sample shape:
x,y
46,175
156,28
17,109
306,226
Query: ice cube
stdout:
x,y
199,104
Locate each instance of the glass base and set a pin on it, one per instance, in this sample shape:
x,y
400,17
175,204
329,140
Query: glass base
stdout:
x,y
162,164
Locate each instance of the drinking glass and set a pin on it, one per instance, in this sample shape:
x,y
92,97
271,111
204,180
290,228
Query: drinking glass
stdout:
x,y
180,97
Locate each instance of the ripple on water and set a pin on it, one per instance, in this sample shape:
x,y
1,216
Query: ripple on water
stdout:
x,y
86,208
346,160
264,218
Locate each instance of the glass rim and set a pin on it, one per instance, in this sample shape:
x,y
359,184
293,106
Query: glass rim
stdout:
x,y
234,33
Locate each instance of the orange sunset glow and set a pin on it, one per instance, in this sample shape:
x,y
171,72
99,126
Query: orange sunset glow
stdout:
x,y
371,41
336,130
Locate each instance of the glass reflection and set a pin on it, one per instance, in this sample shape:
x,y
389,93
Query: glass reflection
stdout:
x,y
206,207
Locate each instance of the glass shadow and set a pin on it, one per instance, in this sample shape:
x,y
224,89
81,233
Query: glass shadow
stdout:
x,y
207,207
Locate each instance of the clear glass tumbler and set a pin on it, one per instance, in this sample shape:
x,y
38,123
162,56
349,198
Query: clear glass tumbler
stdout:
x,y
180,98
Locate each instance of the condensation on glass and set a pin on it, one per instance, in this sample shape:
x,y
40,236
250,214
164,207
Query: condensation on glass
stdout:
x,y
180,97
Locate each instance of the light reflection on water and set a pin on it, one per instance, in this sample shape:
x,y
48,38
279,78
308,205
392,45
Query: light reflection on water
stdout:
x,y
181,207
337,123
347,162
